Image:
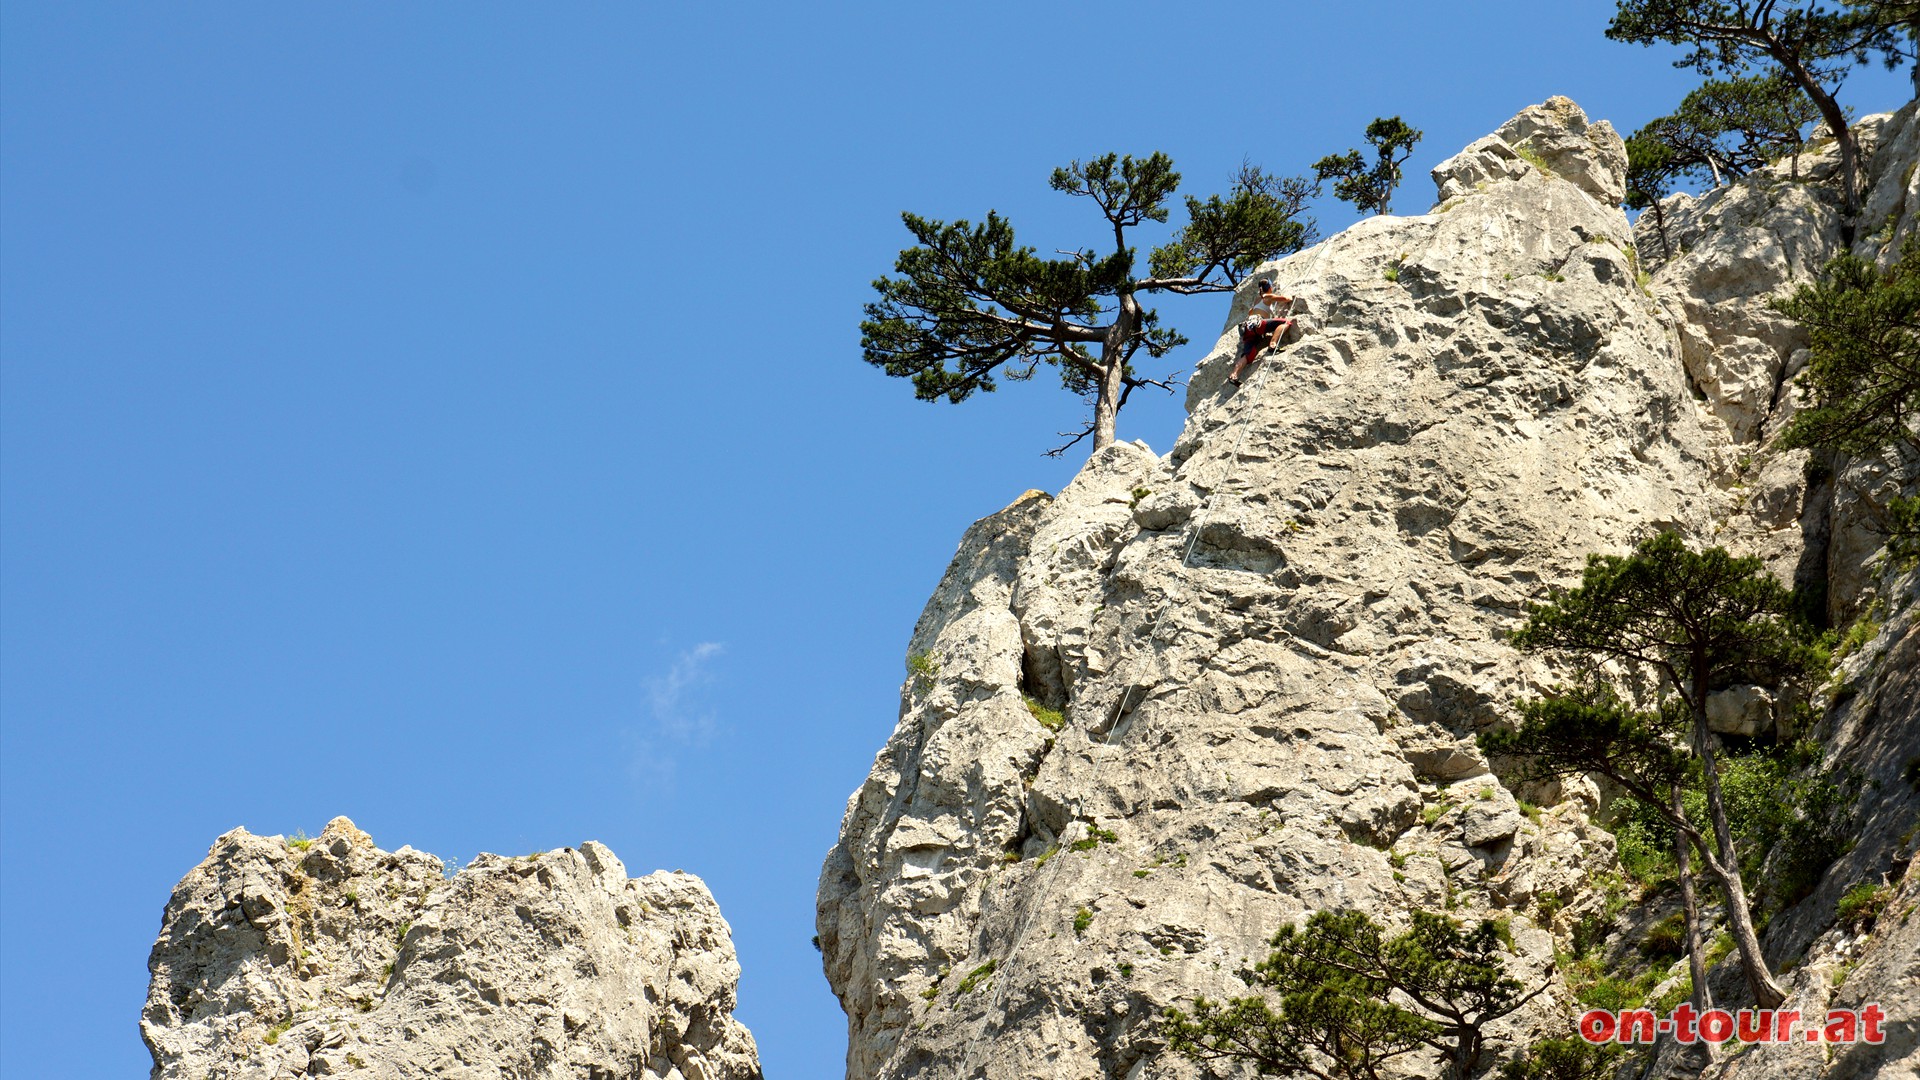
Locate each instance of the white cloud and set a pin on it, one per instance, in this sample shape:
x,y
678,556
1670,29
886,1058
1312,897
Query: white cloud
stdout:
x,y
677,716
673,697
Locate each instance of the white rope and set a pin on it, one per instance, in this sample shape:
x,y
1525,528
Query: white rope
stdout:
x,y
1061,847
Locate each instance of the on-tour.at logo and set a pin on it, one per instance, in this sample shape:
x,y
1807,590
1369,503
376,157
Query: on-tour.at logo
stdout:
x,y
1747,1026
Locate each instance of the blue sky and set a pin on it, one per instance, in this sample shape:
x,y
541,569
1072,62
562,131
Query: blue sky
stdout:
x,y
452,416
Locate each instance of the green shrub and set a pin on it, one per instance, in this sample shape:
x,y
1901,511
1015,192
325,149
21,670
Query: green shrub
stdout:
x,y
1861,905
1094,838
1614,993
1863,630
1789,820
1562,1059
976,977
1645,846
1051,719
1667,939
1081,920
1503,930
1787,817
1549,905
923,669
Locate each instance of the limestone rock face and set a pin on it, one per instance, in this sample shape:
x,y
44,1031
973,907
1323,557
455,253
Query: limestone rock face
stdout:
x,y
1554,137
281,959
1874,732
1740,710
1715,264
1590,156
1197,696
1273,647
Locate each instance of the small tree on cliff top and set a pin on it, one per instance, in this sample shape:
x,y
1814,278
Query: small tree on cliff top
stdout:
x,y
1370,187
1652,167
1814,44
972,306
1727,128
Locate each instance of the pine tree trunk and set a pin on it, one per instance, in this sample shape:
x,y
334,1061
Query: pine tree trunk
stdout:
x,y
1113,370
1696,949
1767,993
1836,120
1466,1055
1106,409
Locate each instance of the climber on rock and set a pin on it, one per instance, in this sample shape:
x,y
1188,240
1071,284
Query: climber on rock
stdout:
x,y
1266,323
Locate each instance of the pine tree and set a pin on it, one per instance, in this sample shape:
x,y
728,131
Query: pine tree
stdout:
x,y
1338,1016
1863,371
1813,44
1727,128
1370,187
972,305
1691,622
1652,168
1587,729
1903,17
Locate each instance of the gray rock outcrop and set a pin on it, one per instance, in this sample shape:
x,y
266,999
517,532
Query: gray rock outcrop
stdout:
x,y
1195,697
286,958
1872,731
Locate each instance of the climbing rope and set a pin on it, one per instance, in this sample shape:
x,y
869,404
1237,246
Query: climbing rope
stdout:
x,y
1043,887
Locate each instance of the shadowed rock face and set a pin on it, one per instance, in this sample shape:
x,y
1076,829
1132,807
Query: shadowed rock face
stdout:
x,y
285,958
1273,646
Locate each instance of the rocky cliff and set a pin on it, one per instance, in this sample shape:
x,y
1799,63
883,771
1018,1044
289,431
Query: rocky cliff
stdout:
x,y
284,958
1196,696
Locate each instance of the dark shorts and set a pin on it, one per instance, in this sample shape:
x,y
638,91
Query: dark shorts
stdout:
x,y
1252,337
